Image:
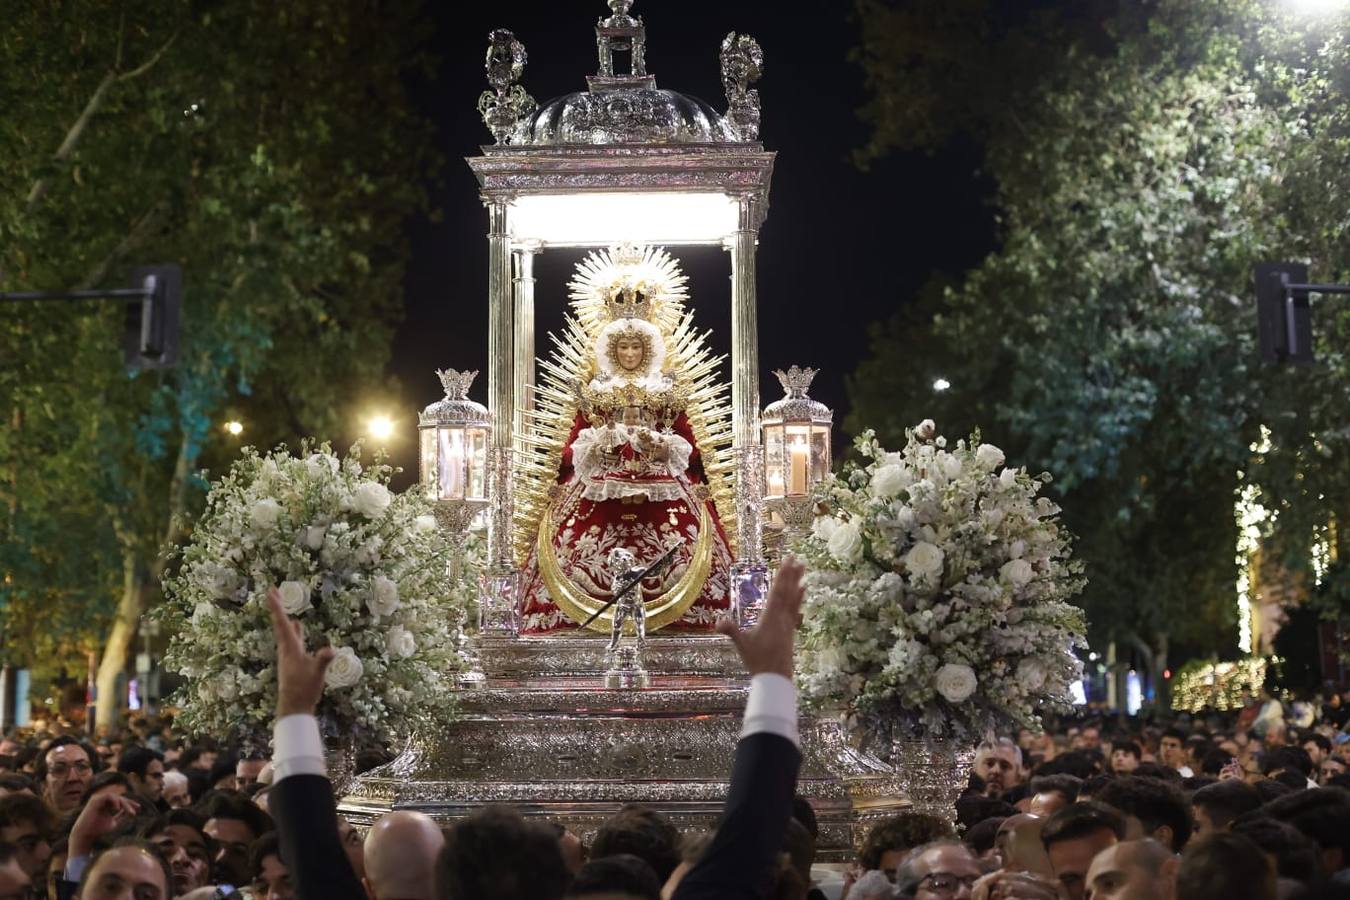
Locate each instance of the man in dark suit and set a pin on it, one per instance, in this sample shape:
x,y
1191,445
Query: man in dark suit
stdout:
x,y
764,772
754,820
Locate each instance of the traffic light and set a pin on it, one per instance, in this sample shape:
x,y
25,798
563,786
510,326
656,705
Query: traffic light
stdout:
x,y
1283,316
150,339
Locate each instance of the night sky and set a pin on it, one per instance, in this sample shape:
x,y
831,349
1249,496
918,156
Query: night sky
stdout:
x,y
841,248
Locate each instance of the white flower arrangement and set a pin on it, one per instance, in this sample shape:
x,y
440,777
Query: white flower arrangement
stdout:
x,y
937,593
362,569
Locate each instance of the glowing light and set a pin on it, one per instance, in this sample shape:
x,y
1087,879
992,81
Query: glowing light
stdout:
x,y
1134,693
941,385
596,220
1218,685
1315,7
381,428
1078,693
234,427
1092,657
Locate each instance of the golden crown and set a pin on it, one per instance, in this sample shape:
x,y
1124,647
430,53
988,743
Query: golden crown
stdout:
x,y
630,301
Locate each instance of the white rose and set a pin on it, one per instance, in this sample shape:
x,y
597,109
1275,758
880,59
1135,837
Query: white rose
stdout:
x,y
1016,572
824,527
924,560
294,597
951,466
383,596
1008,478
955,682
1031,674
265,513
925,430
989,456
320,464
889,480
345,670
846,543
400,642
424,523
371,499
312,536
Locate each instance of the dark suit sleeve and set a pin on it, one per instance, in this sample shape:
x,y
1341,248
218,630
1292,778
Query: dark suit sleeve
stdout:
x,y
306,818
754,822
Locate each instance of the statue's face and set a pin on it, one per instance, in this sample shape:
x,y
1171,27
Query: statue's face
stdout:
x,y
621,560
629,353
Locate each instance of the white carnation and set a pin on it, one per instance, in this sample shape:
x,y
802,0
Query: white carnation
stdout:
x,y
989,456
846,543
924,560
890,480
294,597
371,499
1016,572
383,596
400,642
951,466
955,682
1031,674
345,670
925,430
264,513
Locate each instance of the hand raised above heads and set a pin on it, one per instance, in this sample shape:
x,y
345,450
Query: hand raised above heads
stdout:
x,y
767,647
299,673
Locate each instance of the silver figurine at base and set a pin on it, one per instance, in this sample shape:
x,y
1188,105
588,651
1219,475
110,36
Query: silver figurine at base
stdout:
x,y
625,662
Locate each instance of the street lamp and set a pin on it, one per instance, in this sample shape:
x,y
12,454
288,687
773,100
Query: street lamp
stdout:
x,y
381,428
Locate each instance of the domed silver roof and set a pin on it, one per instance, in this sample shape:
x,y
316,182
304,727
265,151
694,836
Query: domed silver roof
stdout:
x,y
620,108
624,116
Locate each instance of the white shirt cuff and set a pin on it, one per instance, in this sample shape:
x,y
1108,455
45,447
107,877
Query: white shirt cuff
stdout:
x,y
75,866
772,707
297,747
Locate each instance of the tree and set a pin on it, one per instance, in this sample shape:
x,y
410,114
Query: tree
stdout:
x,y
1111,338
271,151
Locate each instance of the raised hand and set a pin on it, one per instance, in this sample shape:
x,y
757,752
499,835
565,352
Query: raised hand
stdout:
x,y
767,647
101,815
299,673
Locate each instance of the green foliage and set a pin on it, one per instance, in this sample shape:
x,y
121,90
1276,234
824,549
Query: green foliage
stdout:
x,y
1111,338
270,150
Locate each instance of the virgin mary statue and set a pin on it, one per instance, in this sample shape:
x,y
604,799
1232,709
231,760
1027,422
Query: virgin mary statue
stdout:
x,y
626,402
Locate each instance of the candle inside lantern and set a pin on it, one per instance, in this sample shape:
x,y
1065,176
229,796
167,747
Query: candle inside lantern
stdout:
x,y
775,483
798,465
452,464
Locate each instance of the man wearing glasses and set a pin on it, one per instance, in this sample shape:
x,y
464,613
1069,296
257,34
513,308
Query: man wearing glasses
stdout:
x,y
942,870
65,771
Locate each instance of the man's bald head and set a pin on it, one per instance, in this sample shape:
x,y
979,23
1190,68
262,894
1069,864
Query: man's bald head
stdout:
x,y
1133,870
401,851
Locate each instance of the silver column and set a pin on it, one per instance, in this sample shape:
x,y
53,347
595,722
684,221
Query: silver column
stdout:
x,y
497,604
523,385
749,574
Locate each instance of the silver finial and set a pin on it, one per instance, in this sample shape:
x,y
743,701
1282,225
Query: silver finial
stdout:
x,y
742,64
456,383
796,381
507,103
621,32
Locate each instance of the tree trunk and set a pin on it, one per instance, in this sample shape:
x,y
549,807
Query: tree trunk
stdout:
x,y
137,584
1160,682
123,632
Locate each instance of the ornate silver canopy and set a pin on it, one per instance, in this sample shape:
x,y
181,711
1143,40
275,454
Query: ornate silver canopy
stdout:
x,y
620,108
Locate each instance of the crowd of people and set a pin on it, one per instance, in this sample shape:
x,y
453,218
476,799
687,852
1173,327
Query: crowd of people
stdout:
x,y
1209,808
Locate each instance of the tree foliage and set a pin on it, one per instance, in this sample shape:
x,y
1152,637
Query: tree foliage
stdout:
x,y
271,151
1143,166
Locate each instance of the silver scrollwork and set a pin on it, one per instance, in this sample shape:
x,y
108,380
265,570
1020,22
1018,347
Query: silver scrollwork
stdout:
x,y
742,65
507,103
